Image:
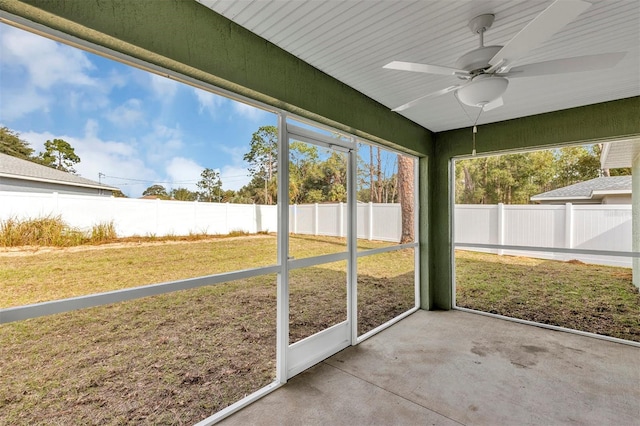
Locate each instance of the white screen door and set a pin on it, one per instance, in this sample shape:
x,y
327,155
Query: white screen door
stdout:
x,y
321,258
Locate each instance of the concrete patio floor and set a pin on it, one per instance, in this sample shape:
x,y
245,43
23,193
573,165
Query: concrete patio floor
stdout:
x,y
447,368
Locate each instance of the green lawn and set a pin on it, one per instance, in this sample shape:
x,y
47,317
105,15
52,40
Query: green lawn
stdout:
x,y
178,358
593,298
175,358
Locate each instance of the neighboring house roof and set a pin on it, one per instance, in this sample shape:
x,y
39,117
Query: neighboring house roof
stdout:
x,y
17,168
589,190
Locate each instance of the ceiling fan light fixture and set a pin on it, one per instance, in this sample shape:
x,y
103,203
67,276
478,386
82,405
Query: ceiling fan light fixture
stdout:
x,y
482,90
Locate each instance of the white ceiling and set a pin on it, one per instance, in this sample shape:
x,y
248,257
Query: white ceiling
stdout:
x,y
352,40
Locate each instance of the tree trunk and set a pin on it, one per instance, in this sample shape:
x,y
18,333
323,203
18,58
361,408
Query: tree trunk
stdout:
x,y
469,187
372,189
405,194
379,176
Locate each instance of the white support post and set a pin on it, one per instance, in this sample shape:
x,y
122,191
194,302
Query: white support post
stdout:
x,y
370,231
282,299
568,228
352,244
315,219
500,227
635,217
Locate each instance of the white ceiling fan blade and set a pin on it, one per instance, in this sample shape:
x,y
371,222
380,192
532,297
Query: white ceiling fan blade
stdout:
x,y
422,98
493,104
424,68
568,65
543,27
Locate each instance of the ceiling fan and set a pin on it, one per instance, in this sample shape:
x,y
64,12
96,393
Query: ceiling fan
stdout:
x,y
486,70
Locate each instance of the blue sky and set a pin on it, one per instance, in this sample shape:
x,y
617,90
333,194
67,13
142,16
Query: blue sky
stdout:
x,y
123,122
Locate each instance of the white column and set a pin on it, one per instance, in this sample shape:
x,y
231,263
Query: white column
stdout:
x,y
635,218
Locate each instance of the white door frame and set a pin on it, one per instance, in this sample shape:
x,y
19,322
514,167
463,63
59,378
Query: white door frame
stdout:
x,y
295,358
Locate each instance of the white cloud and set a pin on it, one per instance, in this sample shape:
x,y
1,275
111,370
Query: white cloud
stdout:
x,y
248,111
234,177
183,173
127,114
35,69
163,143
163,88
209,102
114,159
17,102
46,62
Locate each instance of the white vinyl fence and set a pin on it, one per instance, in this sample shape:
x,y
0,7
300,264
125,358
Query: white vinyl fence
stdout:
x,y
588,227
597,227
140,217
382,222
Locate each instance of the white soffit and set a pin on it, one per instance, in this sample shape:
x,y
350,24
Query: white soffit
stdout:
x,y
620,153
352,40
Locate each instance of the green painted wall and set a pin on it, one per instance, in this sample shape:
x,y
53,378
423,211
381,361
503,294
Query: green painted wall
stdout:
x,y
615,119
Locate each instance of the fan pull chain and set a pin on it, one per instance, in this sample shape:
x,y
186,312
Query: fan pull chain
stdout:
x,y
475,130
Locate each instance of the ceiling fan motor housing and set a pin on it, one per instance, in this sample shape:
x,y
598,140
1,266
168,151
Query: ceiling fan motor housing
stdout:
x,y
482,90
478,59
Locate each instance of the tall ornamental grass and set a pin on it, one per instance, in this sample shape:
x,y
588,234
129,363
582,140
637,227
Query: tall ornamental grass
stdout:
x,y
51,231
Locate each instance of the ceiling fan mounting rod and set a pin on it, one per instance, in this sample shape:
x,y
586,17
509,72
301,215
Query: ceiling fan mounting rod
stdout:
x,y
480,24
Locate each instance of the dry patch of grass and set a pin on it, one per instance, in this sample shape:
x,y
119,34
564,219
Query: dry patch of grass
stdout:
x,y
175,358
58,274
52,231
170,359
594,298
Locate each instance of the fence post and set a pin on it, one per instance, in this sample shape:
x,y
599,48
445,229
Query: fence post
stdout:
x,y
370,236
256,214
500,227
315,219
568,228
295,218
341,220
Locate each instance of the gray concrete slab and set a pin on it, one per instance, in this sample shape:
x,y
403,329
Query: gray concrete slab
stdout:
x,y
456,367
